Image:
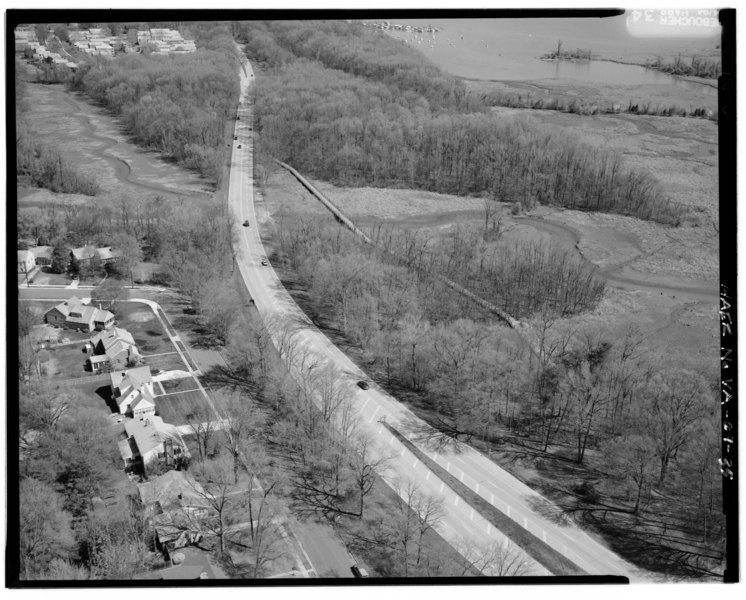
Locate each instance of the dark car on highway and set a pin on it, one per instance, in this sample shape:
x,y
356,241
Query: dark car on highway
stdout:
x,y
245,223
363,385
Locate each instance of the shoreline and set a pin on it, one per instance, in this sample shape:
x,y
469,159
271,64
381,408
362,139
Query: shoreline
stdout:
x,y
688,78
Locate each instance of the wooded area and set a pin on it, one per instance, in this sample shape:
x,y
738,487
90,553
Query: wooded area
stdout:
x,y
612,427
376,113
178,105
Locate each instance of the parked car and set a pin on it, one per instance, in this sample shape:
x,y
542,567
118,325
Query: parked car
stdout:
x,y
246,223
235,137
239,145
363,385
264,262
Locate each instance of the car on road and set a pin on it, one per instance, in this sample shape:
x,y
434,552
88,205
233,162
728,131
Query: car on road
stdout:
x,y
235,137
239,145
246,223
250,129
363,385
358,572
264,262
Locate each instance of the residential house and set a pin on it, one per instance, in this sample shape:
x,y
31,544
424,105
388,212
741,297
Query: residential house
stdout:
x,y
147,441
43,255
177,503
26,261
75,314
174,491
132,390
85,254
112,348
188,563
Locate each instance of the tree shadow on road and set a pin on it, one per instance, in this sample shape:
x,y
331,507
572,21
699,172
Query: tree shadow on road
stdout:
x,y
434,440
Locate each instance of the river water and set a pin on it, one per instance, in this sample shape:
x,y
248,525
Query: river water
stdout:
x,y
508,50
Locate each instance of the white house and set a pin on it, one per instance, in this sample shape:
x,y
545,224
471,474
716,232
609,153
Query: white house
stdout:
x,y
132,390
26,261
147,440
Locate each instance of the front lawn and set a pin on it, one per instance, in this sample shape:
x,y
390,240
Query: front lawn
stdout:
x,y
165,362
183,384
146,329
176,408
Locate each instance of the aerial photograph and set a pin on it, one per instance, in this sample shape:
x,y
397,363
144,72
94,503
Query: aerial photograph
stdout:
x,y
375,297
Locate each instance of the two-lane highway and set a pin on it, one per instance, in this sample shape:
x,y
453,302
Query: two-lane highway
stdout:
x,y
287,323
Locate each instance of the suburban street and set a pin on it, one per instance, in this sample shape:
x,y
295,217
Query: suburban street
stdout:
x,y
373,406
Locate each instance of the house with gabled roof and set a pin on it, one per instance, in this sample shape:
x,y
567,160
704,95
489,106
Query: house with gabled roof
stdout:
x,y
147,441
174,491
177,503
76,314
85,254
132,390
113,348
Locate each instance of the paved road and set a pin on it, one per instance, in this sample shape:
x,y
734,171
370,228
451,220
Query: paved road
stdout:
x,y
292,331
329,556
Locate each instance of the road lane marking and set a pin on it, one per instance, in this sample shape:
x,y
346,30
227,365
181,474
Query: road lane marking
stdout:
x,y
461,477
428,477
492,499
471,514
441,486
414,464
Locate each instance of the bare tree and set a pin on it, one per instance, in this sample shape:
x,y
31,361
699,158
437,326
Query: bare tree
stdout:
x,y
217,489
202,422
240,425
494,558
365,462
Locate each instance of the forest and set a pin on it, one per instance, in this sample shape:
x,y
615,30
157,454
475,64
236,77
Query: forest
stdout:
x,y
178,105
382,117
622,438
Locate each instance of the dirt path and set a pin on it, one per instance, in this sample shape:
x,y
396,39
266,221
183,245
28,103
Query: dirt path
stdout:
x,y
645,126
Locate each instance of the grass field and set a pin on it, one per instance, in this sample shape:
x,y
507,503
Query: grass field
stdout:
x,y
65,362
147,330
184,384
96,145
169,361
175,408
